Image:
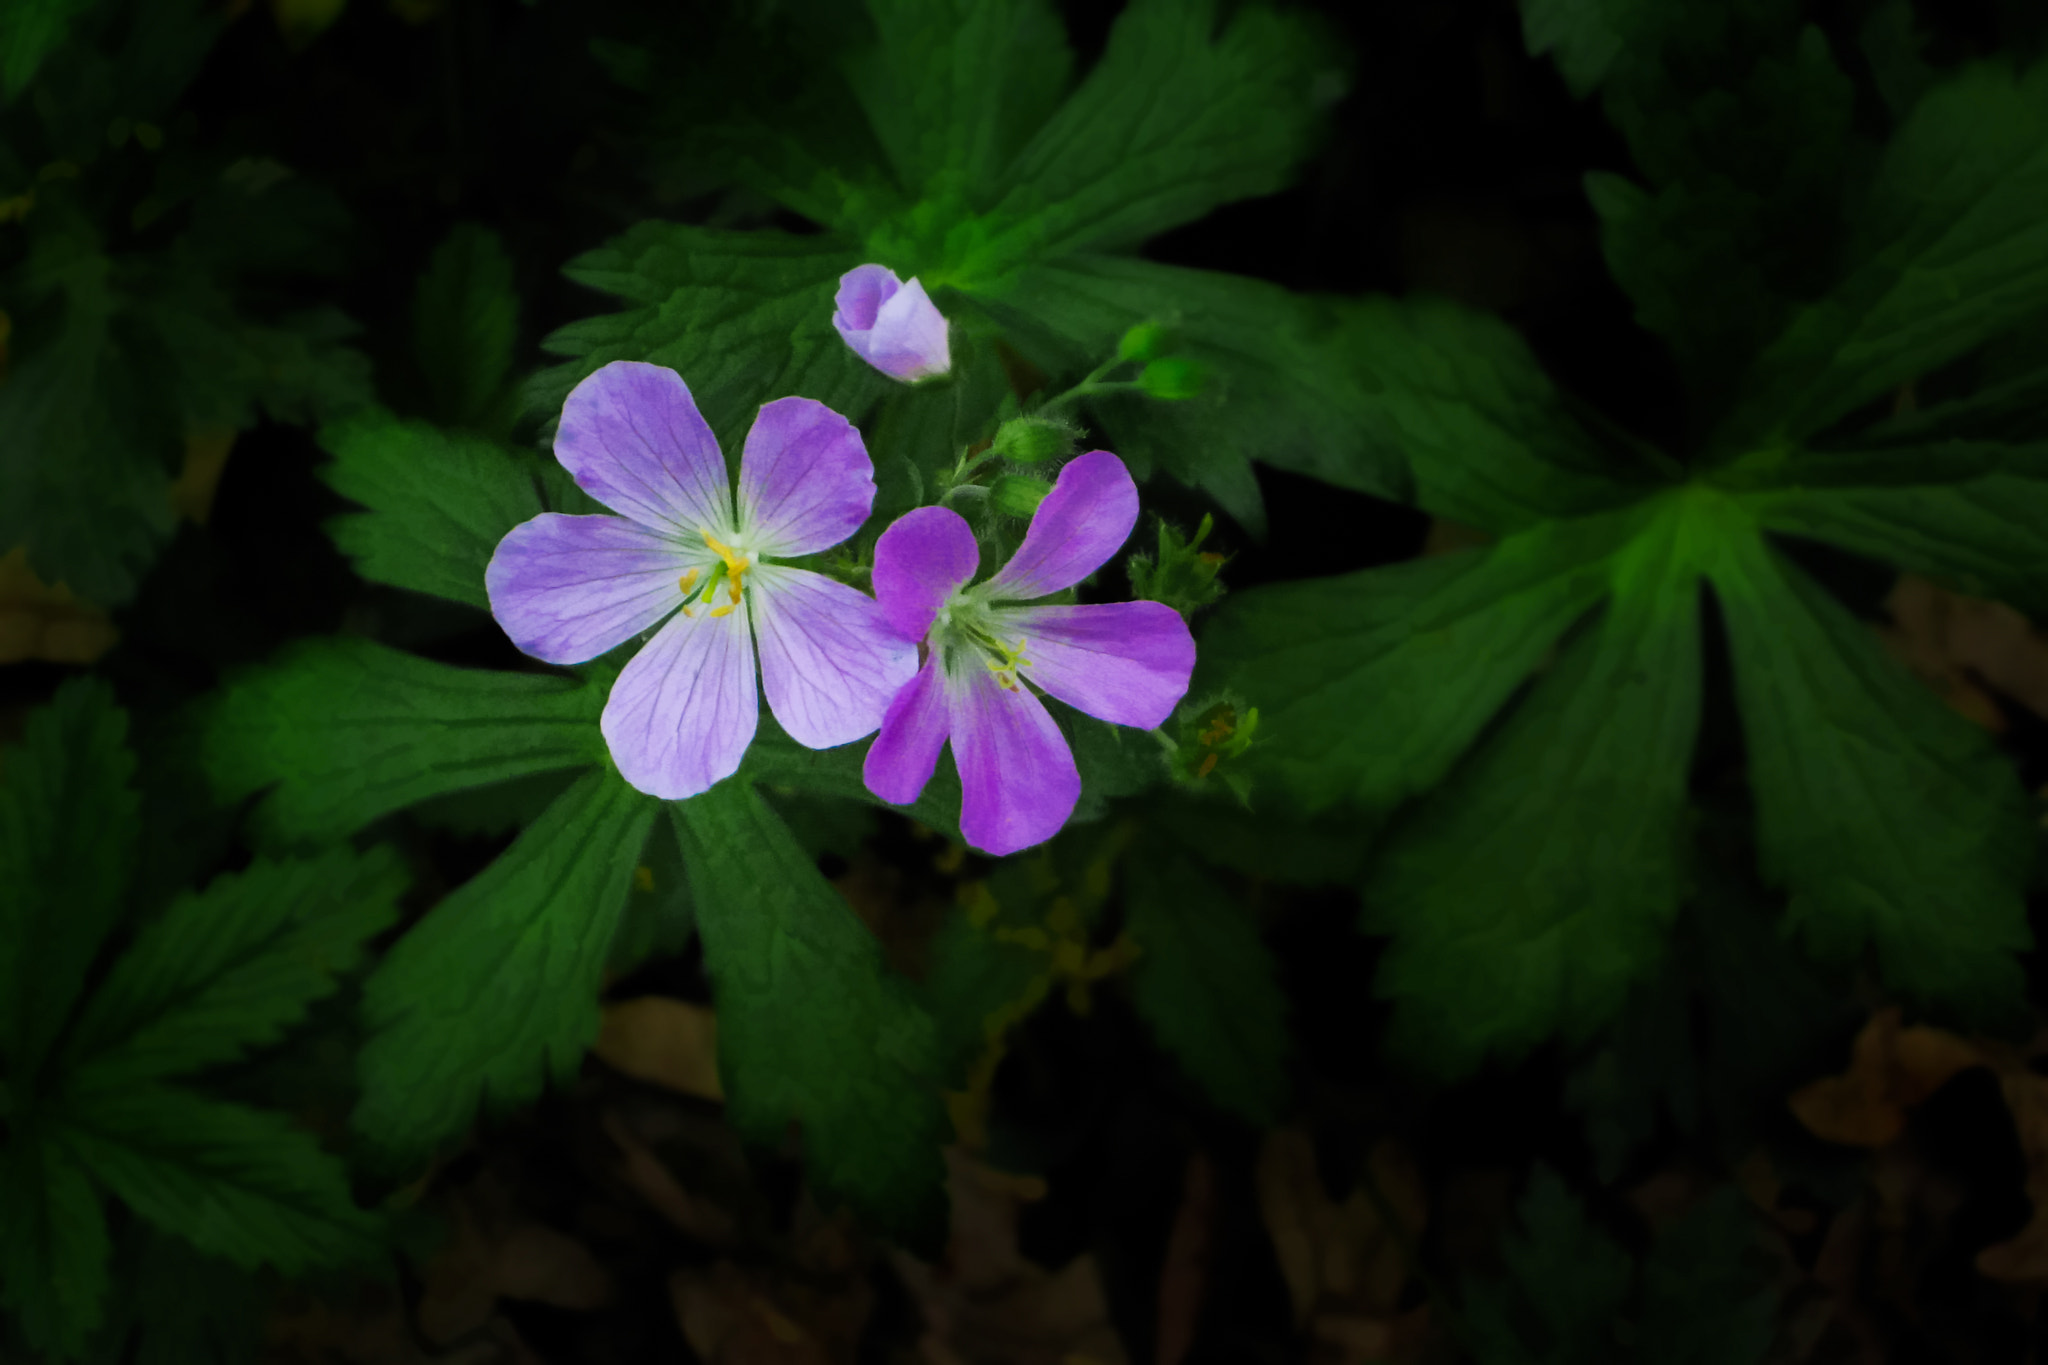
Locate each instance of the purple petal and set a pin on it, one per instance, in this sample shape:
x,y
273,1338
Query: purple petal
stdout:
x,y
632,438
862,292
920,561
1126,662
1017,776
567,589
683,712
901,759
805,479
908,340
893,326
1084,520
830,663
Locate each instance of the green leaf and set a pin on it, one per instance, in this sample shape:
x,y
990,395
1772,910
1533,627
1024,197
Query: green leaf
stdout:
x,y
68,827
981,981
1584,37
1966,513
954,89
1951,249
495,991
439,503
743,317
1534,888
31,30
84,473
1186,111
1565,1287
812,1028
776,760
1893,822
1206,985
1706,1300
54,1259
1741,124
1370,686
229,968
465,320
244,1184
339,732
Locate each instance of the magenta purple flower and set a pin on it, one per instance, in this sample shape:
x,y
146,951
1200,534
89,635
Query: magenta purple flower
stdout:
x,y
1126,662
891,325
684,550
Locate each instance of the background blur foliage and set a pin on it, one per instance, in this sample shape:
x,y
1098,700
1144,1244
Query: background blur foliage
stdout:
x,y
1624,429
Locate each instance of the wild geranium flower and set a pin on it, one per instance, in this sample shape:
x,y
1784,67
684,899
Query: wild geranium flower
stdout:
x,y
569,588
1125,662
891,325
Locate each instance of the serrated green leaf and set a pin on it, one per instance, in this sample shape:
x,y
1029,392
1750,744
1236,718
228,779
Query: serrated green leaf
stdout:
x,y
1584,37
1565,1288
1370,686
978,984
743,317
244,1184
1534,888
465,320
54,1257
495,991
1892,821
1706,1300
1951,248
1186,110
69,821
812,1028
231,967
954,89
1741,124
1206,984
439,503
1965,513
776,760
339,732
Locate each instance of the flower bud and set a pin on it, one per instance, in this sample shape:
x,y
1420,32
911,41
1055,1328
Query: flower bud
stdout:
x,y
1028,440
1146,342
892,325
1018,495
1214,735
1184,575
1175,377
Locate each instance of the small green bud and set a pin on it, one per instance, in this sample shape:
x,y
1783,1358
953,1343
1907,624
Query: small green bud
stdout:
x,y
1018,495
1173,378
1148,341
1214,735
1028,440
1183,576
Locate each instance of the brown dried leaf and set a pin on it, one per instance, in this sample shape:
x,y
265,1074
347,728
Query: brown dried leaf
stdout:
x,y
1963,645
671,1043
1891,1069
495,1252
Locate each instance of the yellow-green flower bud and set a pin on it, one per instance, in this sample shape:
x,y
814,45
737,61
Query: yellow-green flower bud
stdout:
x,y
1175,377
1018,495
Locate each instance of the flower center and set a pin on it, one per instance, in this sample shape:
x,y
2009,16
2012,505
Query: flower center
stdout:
x,y
731,570
966,624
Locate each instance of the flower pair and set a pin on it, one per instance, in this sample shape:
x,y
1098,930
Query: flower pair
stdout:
x,y
688,556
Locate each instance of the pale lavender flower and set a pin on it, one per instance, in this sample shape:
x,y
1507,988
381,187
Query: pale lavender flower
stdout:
x,y
1126,662
569,588
891,325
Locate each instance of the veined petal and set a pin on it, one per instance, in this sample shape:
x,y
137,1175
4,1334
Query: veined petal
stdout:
x,y
567,589
1123,662
1017,776
902,758
683,711
862,292
909,339
920,561
632,438
1084,520
805,479
830,663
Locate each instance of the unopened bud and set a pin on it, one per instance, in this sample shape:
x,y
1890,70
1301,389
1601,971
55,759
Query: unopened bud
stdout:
x,y
1175,377
1028,440
1018,495
1145,342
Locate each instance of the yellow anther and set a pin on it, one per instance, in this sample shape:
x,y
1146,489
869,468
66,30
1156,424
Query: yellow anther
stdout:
x,y
736,566
725,610
689,579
